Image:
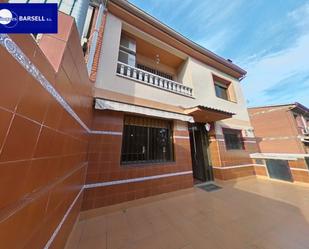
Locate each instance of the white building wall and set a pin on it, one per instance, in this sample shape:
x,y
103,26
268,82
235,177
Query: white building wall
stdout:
x,y
193,73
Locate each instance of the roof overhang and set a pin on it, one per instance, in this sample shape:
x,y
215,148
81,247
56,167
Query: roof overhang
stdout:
x,y
300,109
103,104
297,107
145,22
208,114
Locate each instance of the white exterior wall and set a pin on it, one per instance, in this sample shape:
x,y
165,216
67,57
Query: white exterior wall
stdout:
x,y
193,73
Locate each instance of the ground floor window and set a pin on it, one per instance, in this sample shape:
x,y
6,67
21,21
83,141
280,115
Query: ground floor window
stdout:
x,y
233,139
146,140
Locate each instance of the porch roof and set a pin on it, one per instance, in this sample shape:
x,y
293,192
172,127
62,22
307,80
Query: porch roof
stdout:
x,y
208,114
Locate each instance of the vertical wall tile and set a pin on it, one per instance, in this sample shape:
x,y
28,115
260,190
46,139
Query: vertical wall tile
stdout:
x,y
21,140
5,120
12,181
34,102
13,81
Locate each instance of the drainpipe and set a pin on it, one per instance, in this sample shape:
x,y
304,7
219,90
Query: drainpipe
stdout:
x,y
95,37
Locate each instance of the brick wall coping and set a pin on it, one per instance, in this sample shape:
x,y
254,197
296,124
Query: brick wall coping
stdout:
x,y
280,156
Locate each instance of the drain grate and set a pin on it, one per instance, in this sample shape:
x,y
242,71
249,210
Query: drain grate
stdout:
x,y
210,187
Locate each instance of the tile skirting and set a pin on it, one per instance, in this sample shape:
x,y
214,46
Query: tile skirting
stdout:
x,y
139,179
240,166
182,137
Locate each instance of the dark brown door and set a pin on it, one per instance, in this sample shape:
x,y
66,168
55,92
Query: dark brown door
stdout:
x,y
199,142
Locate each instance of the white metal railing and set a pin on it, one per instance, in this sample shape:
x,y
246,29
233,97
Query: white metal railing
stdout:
x,y
148,78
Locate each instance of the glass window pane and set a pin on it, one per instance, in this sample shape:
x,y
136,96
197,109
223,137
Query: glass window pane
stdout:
x,y
233,139
221,92
145,143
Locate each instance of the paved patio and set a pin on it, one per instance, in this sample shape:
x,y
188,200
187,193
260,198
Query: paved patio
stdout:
x,y
251,213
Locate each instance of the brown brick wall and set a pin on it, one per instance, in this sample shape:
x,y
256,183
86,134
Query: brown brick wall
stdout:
x,y
275,130
236,157
260,171
300,176
221,158
108,195
43,150
232,173
300,164
104,165
299,170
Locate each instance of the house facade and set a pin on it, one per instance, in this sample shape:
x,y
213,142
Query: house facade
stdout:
x,y
282,135
169,112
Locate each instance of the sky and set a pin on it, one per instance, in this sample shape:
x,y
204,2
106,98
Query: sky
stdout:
x,y
267,38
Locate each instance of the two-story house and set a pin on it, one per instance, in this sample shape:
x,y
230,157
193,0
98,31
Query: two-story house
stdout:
x,y
167,111
282,135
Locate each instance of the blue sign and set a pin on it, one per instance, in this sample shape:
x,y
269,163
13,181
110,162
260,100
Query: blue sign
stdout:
x,y
28,18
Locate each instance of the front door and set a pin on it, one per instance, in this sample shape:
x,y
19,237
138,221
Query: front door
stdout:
x,y
279,169
199,142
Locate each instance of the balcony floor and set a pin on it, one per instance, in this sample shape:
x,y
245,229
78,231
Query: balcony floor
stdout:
x,y
251,213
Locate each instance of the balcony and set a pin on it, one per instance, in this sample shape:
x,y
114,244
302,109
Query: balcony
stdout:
x,y
147,78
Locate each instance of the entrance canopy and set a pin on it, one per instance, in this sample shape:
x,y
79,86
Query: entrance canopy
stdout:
x,y
102,104
207,114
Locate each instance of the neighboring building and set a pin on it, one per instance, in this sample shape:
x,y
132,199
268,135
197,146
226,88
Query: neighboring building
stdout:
x,y
282,133
164,106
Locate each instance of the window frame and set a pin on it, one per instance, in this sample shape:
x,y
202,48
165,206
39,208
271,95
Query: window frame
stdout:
x,y
147,161
228,85
233,132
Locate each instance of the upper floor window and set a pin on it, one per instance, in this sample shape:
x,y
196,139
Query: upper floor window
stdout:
x,y
221,91
223,88
146,140
233,139
127,50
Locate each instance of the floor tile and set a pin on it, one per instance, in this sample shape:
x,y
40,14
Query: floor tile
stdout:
x,y
247,214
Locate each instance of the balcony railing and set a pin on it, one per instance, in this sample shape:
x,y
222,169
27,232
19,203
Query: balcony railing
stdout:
x,y
154,80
